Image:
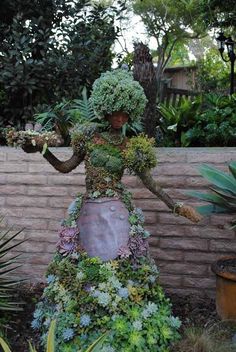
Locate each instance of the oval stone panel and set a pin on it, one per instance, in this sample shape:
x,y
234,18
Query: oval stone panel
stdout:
x,y
104,227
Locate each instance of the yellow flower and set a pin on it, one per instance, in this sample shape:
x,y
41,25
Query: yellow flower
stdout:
x,y
135,295
114,264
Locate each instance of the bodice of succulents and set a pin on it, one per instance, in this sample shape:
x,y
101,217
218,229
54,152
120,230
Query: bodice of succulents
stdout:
x,y
105,164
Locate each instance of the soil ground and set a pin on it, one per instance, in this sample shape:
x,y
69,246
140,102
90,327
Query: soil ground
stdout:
x,y
191,310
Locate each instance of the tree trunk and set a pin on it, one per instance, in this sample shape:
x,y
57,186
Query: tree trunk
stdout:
x,y
144,73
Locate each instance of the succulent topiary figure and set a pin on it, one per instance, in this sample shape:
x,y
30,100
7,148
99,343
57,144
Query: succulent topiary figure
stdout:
x,y
102,277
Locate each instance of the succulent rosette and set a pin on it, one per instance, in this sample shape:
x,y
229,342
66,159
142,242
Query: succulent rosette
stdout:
x,y
118,91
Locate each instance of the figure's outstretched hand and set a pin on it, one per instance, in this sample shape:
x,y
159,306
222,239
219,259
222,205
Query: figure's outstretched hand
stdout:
x,y
188,212
30,148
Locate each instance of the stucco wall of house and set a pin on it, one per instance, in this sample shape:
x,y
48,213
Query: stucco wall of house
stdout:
x,y
34,197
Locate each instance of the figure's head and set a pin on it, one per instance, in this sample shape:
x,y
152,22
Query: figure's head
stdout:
x,y
117,119
117,91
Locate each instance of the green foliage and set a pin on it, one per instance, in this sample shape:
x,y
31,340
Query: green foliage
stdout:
x,y
117,91
219,14
176,121
208,121
95,347
212,72
111,296
7,267
223,191
215,125
107,156
50,50
139,154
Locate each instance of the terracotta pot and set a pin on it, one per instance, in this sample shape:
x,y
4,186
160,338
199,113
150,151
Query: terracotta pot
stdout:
x,y
225,270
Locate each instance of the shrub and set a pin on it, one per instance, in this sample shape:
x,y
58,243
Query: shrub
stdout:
x,y
208,121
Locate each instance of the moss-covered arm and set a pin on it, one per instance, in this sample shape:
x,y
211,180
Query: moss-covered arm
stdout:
x,y
177,208
63,166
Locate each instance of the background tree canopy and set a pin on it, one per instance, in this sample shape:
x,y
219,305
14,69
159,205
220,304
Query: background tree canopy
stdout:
x,y
219,13
49,50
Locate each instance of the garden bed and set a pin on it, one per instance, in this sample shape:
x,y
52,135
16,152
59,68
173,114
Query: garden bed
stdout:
x,y
193,312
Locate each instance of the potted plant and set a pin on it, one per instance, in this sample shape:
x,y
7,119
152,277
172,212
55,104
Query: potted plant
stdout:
x,y
222,199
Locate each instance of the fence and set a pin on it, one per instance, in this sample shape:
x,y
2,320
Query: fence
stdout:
x,y
173,96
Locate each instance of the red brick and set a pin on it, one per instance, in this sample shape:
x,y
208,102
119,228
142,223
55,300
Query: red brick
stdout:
x,y
169,230
46,191
16,211
27,179
66,180
30,247
196,181
45,236
2,201
170,280
200,282
60,202
183,243
167,254
171,155
3,179
13,167
150,217
79,170
190,292
153,241
54,225
170,181
200,257
33,273
47,213
38,259
210,156
208,232
42,168
152,204
223,246
3,155
33,224
170,218
182,268
172,169
73,191
221,220
26,201
130,181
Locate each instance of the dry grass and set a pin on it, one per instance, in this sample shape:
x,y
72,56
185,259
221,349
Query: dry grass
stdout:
x,y
217,338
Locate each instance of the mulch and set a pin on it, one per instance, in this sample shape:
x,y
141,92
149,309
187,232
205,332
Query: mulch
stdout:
x,y
192,310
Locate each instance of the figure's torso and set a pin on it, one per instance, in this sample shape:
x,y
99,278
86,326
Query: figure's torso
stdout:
x,y
104,163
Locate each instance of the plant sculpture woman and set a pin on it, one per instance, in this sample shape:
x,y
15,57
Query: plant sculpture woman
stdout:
x,y
102,278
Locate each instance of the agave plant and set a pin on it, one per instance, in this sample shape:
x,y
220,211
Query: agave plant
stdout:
x,y
223,191
7,266
95,347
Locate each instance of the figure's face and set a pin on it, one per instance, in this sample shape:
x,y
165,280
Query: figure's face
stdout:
x,y
118,119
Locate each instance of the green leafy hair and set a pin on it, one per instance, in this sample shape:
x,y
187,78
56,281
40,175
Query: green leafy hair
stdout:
x,y
118,91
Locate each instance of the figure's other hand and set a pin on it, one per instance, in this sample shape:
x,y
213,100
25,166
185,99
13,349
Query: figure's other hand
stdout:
x,y
188,212
30,148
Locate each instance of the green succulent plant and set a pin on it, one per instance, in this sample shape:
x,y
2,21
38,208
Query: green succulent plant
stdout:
x,y
223,191
95,347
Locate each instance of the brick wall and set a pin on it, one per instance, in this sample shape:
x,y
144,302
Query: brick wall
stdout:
x,y
35,197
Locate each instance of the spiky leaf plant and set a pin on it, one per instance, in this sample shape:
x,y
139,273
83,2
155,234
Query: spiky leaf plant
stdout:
x,y
95,347
7,267
223,191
